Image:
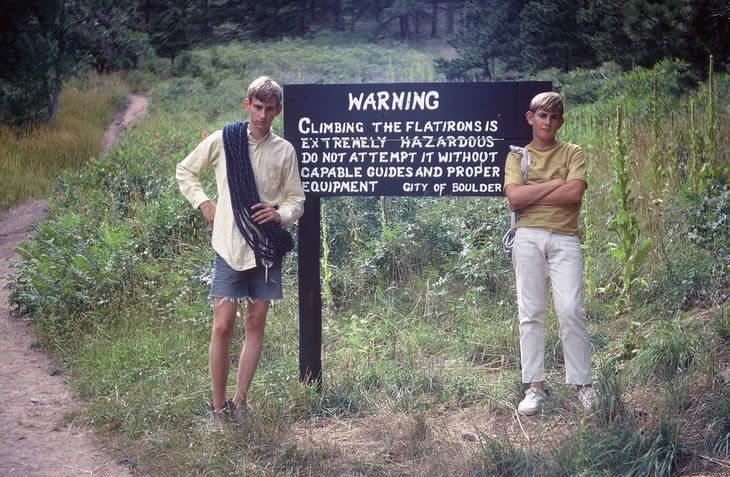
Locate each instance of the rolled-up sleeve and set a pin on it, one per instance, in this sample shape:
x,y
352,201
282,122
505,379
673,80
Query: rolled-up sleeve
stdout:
x,y
188,171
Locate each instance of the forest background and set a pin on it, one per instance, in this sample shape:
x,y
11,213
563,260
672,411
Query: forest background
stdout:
x,y
420,358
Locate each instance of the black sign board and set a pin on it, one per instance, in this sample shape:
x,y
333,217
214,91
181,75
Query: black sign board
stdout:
x,y
402,139
406,139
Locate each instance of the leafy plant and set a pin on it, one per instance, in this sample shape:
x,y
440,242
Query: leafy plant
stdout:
x,y
71,268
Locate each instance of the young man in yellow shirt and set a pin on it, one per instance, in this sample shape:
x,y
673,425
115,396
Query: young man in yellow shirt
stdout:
x,y
547,246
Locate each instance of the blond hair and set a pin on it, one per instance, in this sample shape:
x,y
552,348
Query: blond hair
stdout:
x,y
549,101
263,88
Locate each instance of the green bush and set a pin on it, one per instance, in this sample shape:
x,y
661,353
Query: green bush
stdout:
x,y
634,89
581,86
708,218
73,266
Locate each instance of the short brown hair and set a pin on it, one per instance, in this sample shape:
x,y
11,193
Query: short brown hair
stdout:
x,y
263,88
549,101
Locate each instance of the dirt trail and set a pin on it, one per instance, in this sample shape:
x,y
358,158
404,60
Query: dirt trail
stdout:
x,y
34,440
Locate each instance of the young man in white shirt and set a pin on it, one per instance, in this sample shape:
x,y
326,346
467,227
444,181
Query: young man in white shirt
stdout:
x,y
240,272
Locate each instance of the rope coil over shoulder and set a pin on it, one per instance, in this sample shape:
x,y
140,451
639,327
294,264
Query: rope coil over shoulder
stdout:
x,y
509,237
269,241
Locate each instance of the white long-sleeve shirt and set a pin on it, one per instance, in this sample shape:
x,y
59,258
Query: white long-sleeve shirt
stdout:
x,y
274,163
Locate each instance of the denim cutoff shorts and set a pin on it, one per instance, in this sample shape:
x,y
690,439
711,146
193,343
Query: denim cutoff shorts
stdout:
x,y
245,285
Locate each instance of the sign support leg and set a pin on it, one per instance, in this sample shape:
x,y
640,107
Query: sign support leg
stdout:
x,y
310,294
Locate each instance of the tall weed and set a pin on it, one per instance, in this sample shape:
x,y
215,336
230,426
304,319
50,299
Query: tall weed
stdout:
x,y
628,250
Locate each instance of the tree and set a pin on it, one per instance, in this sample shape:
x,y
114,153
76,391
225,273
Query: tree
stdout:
x,y
601,24
356,10
406,12
706,29
40,52
271,19
654,28
549,38
642,33
110,32
46,42
167,25
448,7
484,34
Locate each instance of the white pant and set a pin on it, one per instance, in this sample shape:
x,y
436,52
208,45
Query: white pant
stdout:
x,y
539,254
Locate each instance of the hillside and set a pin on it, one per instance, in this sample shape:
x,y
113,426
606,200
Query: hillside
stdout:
x,y
420,355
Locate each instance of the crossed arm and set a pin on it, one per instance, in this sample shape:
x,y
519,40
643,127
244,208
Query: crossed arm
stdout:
x,y
554,192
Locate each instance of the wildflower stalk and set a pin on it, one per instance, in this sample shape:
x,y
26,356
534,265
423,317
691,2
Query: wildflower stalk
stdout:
x,y
655,157
712,113
625,225
695,149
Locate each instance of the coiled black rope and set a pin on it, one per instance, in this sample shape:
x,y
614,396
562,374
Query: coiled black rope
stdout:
x,y
269,241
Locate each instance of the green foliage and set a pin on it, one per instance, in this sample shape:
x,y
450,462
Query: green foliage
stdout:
x,y
460,233
530,36
110,217
34,64
107,32
46,43
611,450
484,29
694,270
709,221
545,40
602,26
580,85
31,160
714,168
168,28
73,267
634,90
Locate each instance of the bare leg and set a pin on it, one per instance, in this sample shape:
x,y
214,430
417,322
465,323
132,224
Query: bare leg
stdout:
x,y
251,353
224,319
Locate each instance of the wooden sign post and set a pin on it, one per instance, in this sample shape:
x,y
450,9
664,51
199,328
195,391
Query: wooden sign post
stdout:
x,y
399,139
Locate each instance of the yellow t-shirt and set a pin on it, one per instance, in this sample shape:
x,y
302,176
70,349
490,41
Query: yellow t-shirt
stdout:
x,y
564,160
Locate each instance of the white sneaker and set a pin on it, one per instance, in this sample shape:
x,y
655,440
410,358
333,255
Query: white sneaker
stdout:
x,y
532,403
587,397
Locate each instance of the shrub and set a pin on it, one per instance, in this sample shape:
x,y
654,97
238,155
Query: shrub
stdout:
x,y
71,267
634,90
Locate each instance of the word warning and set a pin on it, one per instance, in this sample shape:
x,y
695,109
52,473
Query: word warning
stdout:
x,y
406,139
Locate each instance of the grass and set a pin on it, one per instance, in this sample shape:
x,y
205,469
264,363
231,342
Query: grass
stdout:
x,y
421,360
30,161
